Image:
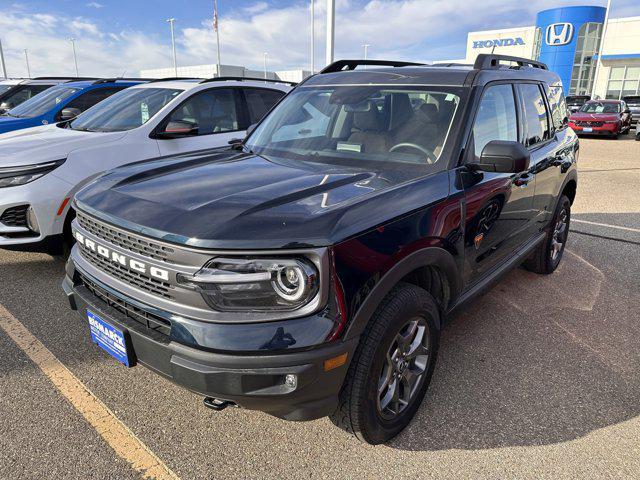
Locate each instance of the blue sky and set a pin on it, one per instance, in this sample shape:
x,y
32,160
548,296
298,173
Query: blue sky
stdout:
x,y
116,36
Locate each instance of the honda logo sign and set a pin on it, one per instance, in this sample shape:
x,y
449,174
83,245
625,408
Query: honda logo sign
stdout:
x,y
559,34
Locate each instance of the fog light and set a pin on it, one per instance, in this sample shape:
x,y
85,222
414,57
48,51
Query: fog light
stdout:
x,y
291,380
32,222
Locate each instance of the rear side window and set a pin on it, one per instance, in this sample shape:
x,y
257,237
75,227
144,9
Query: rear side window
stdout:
x,y
535,114
260,101
91,98
555,95
496,118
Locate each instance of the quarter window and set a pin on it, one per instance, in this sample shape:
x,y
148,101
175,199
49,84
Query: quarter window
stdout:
x,y
555,96
260,101
213,111
496,118
534,114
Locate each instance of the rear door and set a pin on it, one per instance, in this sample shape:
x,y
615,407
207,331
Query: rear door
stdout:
x,y
499,206
218,113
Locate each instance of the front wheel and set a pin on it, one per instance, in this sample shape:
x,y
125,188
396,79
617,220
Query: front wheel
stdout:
x,y
392,367
546,258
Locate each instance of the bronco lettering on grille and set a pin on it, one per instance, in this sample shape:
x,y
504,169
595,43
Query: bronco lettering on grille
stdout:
x,y
120,259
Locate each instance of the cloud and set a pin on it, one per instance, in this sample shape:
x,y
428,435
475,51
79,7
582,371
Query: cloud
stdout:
x,y
95,5
419,30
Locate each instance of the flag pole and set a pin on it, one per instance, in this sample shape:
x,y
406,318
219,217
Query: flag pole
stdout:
x,y
217,30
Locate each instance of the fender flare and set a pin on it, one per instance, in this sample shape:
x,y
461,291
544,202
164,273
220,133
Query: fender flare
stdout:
x,y
431,256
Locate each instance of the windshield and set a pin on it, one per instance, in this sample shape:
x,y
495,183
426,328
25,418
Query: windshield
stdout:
x,y
4,88
577,100
358,124
125,110
43,102
599,107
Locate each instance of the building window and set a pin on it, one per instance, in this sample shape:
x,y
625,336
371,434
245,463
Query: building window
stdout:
x,y
583,62
623,81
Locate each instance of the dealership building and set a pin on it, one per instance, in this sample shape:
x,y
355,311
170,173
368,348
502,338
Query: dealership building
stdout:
x,y
568,40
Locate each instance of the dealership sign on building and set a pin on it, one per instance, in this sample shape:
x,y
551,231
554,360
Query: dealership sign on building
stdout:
x,y
499,42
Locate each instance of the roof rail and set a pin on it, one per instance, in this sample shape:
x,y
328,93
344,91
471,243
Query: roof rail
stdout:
x,y
60,78
115,79
251,79
487,61
169,79
342,65
451,64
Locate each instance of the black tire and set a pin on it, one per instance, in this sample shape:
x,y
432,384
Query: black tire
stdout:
x,y
358,410
542,260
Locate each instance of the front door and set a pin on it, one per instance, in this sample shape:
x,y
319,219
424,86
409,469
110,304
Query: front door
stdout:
x,y
500,208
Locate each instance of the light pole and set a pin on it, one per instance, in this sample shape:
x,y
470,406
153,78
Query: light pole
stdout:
x,y
331,23
26,59
265,65
599,61
313,37
4,67
216,29
75,58
173,46
366,51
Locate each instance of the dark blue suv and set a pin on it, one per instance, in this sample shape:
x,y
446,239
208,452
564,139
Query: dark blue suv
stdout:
x,y
62,102
309,269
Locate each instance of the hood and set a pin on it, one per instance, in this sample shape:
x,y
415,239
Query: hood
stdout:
x,y
238,201
46,143
599,117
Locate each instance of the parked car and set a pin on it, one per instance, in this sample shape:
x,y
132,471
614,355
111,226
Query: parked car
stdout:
x,y
311,275
41,168
62,102
17,91
574,102
633,102
602,117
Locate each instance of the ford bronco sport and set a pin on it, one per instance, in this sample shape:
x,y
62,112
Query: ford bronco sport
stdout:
x,y
308,271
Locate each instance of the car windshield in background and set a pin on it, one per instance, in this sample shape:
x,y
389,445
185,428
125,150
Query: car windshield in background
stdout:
x,y
42,103
359,124
124,110
600,107
575,101
4,88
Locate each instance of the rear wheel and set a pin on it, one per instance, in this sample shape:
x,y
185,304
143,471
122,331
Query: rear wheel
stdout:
x,y
546,258
392,367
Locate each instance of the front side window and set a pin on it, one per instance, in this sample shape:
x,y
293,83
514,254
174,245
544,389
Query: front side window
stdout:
x,y
125,110
43,102
260,101
92,97
535,114
600,107
212,111
360,125
496,118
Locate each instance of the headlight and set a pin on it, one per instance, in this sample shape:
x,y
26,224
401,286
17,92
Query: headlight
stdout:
x,y
14,176
250,284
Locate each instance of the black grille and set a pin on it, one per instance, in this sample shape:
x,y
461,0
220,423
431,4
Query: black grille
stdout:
x,y
589,124
152,322
132,243
135,279
15,216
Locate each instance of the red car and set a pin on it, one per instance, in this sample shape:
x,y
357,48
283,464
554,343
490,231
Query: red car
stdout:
x,y
602,117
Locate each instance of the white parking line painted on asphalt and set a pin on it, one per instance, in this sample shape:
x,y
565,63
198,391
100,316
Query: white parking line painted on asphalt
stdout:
x,y
617,227
117,435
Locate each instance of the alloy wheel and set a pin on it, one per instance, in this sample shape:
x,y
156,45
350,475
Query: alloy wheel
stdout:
x,y
559,234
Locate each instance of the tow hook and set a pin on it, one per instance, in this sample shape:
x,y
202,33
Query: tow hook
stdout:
x,y
217,404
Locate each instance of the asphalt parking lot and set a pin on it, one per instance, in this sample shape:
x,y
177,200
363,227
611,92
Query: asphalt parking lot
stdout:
x,y
539,379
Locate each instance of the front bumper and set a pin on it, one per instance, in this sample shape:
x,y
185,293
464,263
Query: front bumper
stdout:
x,y
251,380
607,129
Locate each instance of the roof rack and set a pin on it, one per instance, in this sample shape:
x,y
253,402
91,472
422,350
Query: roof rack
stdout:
x,y
342,65
486,61
251,79
169,79
61,78
115,79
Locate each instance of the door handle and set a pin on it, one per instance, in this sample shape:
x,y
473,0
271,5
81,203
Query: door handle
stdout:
x,y
523,180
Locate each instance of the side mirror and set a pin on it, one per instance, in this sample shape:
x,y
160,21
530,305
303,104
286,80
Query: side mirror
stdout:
x,y
69,113
5,106
178,129
503,157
